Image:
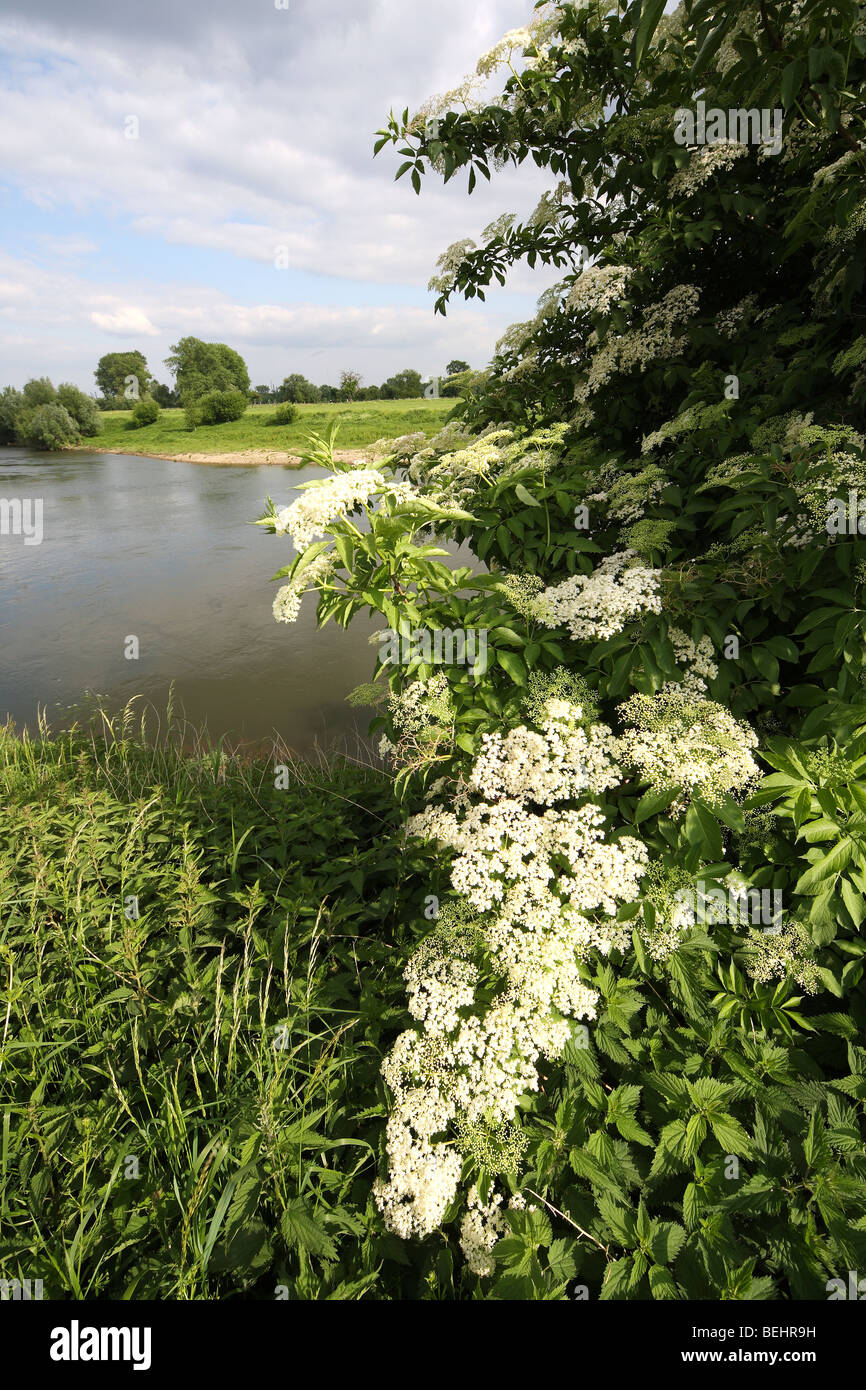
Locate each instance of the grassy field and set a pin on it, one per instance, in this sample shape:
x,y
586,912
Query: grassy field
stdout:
x,y
361,423
201,974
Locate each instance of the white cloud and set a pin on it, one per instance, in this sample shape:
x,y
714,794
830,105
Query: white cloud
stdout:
x,y
126,321
255,132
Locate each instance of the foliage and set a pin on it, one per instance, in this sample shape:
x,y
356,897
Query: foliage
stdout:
x,y
651,478
38,391
11,406
47,427
350,385
285,414
145,412
296,388
202,368
113,373
403,385
216,408
191,1095
82,408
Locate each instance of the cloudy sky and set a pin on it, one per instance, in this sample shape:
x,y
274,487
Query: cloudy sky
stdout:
x,y
255,127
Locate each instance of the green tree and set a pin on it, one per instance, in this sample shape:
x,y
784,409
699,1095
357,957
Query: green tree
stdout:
x,y
216,407
164,395
48,426
82,408
350,384
455,366
39,391
11,405
297,389
145,412
123,376
200,367
405,385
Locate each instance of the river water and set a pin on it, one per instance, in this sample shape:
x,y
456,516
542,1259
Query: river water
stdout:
x,y
163,551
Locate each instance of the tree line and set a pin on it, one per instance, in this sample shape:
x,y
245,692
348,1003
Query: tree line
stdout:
x,y
211,383
199,368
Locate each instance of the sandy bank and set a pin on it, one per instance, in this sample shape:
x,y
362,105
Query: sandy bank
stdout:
x,y
243,458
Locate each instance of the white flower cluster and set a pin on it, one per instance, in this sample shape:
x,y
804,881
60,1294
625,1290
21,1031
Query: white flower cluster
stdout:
x,y
538,873
730,320
599,605
307,519
704,163
598,288
555,765
697,656
655,341
423,717
287,603
449,263
480,1229
678,738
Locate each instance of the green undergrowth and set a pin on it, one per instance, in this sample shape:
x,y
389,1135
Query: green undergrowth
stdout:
x,y
191,1098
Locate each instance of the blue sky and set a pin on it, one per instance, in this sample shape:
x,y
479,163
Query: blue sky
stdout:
x,y
252,132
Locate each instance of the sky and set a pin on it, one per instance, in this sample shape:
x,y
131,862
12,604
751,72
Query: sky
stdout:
x,y
206,167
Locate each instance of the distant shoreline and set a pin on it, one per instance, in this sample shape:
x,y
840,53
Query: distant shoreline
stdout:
x,y
241,458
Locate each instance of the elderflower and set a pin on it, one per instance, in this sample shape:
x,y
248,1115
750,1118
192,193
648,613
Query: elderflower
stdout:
x,y
678,738
287,603
600,604
786,953
307,519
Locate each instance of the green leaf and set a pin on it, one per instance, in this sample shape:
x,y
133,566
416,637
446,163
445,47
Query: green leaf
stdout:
x,y
667,1241
510,662
526,496
828,866
661,1282
654,801
651,12
300,1227
730,1135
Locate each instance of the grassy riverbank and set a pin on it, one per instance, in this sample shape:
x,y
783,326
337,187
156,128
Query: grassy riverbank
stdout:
x,y
191,1098
361,423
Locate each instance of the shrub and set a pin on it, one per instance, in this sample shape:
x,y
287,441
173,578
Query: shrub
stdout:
x,y
216,408
83,409
11,406
284,414
145,412
670,581
48,427
38,391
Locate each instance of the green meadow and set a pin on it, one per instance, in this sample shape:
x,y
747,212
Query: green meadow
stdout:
x,y
360,423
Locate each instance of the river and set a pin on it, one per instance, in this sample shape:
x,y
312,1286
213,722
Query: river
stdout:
x,y
163,551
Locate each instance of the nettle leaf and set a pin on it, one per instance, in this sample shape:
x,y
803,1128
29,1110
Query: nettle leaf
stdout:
x,y
562,1261
301,1228
661,1282
617,1278
730,1134
667,1240
620,1220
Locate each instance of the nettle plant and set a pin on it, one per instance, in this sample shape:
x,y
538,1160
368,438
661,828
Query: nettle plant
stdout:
x,y
603,1089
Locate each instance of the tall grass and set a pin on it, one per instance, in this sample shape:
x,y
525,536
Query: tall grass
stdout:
x,y
198,976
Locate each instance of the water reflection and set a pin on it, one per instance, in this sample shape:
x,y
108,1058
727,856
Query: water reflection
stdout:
x,y
162,550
